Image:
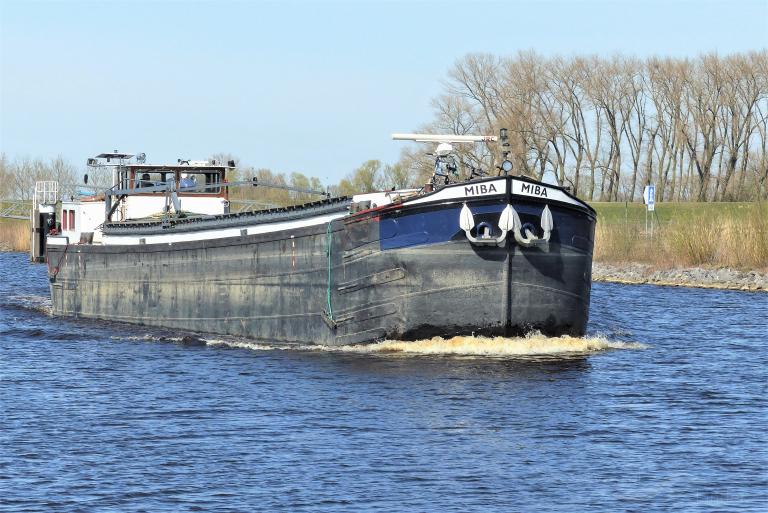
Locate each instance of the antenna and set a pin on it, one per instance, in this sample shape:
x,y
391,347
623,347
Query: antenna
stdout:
x,y
506,164
445,138
446,165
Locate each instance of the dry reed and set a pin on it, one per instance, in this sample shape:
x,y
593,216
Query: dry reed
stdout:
x,y
14,236
703,239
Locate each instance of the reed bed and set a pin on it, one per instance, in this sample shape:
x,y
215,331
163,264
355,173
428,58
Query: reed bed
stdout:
x,y
14,236
707,236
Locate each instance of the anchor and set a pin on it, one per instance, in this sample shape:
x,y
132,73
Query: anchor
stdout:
x,y
509,221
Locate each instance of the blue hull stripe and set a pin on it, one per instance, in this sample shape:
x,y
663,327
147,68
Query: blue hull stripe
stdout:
x,y
405,229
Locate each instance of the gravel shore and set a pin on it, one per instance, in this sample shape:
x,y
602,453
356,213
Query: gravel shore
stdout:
x,y
724,278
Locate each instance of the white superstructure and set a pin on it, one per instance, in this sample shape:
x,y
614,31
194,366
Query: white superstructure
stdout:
x,y
197,188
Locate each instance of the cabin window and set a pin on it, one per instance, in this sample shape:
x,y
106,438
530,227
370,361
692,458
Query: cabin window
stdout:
x,y
72,220
199,180
64,219
150,178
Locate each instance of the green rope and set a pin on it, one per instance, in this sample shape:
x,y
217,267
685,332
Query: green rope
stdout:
x,y
329,242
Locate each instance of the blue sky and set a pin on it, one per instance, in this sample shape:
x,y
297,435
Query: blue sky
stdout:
x,y
308,86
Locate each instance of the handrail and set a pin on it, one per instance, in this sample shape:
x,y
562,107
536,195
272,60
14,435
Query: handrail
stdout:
x,y
171,189
163,187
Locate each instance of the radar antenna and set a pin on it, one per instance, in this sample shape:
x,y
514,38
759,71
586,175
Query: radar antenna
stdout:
x,y
445,160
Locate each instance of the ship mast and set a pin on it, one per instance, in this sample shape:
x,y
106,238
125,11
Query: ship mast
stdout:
x,y
445,160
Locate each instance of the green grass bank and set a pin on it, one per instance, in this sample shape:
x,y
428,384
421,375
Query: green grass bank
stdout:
x,y
684,235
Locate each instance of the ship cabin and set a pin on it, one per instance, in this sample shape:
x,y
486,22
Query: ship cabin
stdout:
x,y
142,191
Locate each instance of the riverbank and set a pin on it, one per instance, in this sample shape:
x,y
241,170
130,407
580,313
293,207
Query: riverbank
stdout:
x,y
704,245
698,277
684,235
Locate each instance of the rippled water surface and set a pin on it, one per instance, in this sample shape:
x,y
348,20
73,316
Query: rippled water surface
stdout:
x,y
663,407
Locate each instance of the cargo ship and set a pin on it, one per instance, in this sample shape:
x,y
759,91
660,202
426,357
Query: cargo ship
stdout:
x,y
489,255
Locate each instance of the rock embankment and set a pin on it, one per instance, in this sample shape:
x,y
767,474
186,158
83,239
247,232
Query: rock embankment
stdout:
x,y
724,278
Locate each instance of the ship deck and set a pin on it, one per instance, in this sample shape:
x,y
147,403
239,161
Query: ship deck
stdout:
x,y
149,226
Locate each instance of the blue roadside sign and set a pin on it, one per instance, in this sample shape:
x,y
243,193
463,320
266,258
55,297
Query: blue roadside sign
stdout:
x,y
649,196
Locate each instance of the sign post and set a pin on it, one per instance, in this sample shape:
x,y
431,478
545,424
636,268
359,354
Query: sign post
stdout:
x,y
649,198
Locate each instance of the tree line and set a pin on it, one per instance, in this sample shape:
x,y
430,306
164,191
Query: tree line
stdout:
x,y
18,177
697,128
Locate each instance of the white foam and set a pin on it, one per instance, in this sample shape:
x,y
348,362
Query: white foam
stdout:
x,y
534,344
41,304
146,338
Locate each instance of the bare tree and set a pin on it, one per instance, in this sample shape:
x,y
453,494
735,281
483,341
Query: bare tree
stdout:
x,y
690,126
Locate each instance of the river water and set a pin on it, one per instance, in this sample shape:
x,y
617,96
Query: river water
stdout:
x,y
663,407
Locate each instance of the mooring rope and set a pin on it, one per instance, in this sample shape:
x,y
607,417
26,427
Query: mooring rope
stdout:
x,y
58,265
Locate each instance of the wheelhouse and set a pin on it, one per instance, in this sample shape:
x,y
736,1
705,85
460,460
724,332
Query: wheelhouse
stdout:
x,y
142,191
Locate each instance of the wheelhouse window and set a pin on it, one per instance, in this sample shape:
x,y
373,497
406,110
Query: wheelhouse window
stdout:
x,y
200,182
150,178
188,181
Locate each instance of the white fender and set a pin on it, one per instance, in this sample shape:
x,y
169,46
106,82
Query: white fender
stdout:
x,y
506,220
466,220
546,221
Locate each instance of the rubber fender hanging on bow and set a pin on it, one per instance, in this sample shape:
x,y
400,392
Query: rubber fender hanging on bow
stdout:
x,y
546,221
466,219
507,219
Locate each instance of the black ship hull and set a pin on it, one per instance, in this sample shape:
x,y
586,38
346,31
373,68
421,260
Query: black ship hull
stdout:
x,y
405,271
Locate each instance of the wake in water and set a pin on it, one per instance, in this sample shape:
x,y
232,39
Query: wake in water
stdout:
x,y
40,304
534,344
